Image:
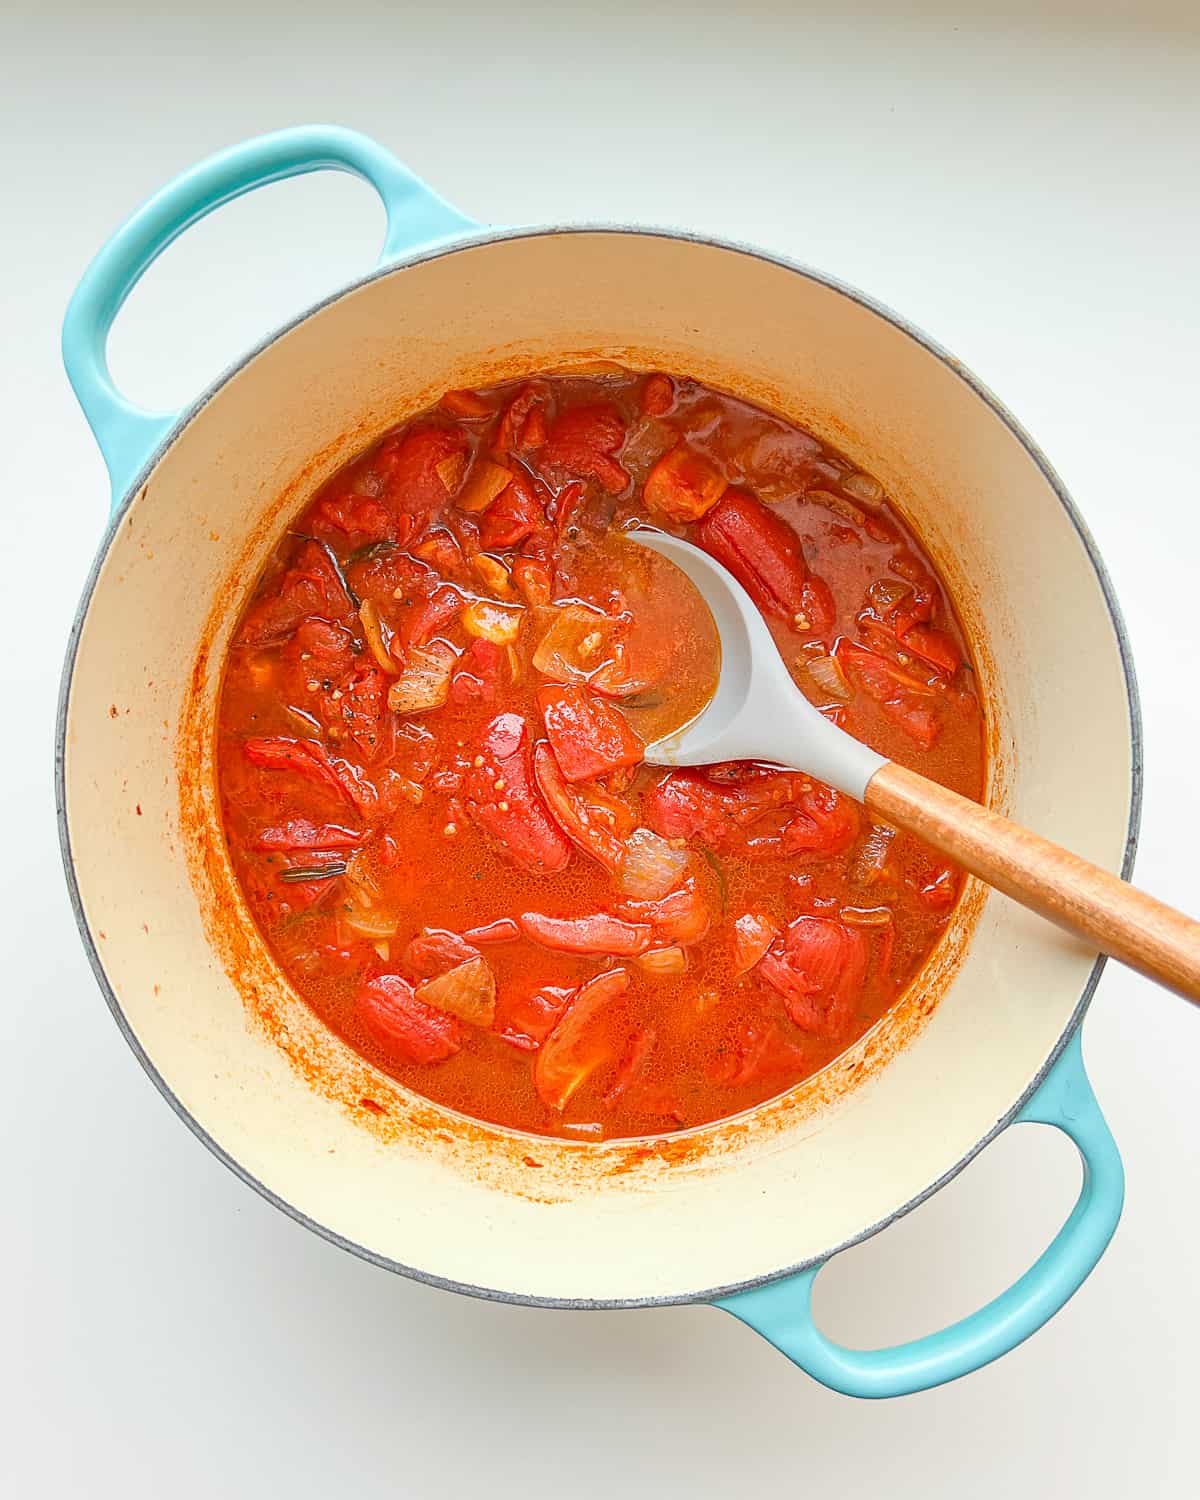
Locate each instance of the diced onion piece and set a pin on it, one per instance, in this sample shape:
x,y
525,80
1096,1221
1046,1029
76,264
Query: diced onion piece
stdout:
x,y
838,505
468,992
868,868
425,681
492,574
663,962
753,934
860,916
370,922
466,405
651,866
569,650
865,489
485,481
368,613
360,880
488,621
886,593
829,677
451,470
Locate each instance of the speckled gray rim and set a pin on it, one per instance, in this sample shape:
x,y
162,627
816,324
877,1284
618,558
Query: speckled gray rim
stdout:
x,y
397,267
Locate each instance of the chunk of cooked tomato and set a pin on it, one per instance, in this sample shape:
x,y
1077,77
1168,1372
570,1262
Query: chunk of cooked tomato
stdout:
x,y
682,917
361,518
904,699
580,1042
412,467
934,646
596,933
818,967
310,586
594,821
589,738
309,760
403,1027
759,813
632,1065
513,813
513,515
477,674
523,426
525,1018
764,554
584,442
657,395
683,485
759,1052
435,950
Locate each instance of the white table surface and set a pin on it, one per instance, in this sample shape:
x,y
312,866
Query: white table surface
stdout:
x,y
1022,182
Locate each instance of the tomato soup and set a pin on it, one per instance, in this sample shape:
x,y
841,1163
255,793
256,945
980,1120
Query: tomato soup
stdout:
x,y
431,738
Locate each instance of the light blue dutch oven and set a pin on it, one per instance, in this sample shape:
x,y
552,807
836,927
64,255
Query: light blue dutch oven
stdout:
x,y
742,1214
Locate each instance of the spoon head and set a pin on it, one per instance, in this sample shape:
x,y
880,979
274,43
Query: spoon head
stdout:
x,y
744,642
756,711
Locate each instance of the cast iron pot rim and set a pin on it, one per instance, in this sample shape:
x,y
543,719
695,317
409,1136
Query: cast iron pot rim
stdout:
x,y
438,252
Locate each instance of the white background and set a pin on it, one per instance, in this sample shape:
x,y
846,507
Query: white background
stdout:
x,y
1019,179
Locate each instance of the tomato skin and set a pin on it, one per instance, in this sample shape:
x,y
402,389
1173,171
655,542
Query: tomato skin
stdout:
x,y
403,1026
502,930
760,1052
310,760
515,815
818,967
764,554
299,833
754,812
589,739
905,700
310,586
933,646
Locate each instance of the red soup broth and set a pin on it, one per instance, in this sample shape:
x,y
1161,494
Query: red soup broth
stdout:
x,y
430,757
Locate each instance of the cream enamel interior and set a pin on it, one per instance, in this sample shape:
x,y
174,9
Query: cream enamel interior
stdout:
x,y
458,1205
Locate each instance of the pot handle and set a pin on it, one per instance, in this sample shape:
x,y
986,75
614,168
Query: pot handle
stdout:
x,y
782,1310
127,435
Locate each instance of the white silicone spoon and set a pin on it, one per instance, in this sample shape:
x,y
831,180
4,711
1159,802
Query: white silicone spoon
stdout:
x,y
758,713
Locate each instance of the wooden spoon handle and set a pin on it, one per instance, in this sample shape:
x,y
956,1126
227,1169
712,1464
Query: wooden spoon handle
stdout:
x,y
1115,917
